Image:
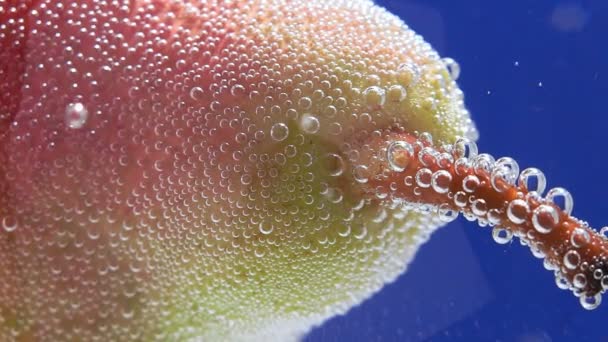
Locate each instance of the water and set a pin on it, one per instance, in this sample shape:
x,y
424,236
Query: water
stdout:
x,y
534,76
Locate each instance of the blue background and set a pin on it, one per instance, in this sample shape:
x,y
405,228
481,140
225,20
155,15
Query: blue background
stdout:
x,y
535,76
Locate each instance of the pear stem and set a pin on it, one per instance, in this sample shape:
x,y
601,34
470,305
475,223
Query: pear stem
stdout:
x,y
455,179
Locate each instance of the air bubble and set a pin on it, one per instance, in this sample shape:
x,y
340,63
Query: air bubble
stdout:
x,y
479,207
9,223
76,115
504,173
361,173
265,228
441,181
335,164
279,131
447,214
197,93
453,67
579,237
374,96
579,281
464,148
544,218
309,124
572,259
398,155
470,183
502,236
591,302
518,211
423,178
396,93
533,179
562,198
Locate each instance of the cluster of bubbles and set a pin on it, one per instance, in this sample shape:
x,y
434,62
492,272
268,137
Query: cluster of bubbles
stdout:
x,y
176,169
438,168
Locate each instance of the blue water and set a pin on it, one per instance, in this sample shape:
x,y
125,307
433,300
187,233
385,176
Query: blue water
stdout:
x,y
535,75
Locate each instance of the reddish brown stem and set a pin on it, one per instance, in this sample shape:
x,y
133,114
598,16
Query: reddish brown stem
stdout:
x,y
567,233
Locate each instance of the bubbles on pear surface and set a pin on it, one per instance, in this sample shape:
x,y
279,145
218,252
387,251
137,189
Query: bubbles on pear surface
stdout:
x,y
279,131
309,124
76,115
9,223
178,160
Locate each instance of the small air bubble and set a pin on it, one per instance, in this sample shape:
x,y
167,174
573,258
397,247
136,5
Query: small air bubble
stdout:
x,y
76,115
580,237
464,148
447,214
374,96
279,131
533,179
197,93
502,236
398,155
470,183
517,211
572,259
562,198
423,178
361,173
453,67
335,164
544,218
441,181
9,223
309,124
591,302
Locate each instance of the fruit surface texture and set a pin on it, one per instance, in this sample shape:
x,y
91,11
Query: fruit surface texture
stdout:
x,y
177,170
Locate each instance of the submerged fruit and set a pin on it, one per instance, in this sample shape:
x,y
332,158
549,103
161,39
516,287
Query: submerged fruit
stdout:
x,y
172,170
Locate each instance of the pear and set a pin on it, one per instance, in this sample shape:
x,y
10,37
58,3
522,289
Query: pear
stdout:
x,y
203,170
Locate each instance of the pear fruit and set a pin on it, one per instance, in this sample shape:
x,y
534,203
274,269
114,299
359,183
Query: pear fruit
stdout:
x,y
181,170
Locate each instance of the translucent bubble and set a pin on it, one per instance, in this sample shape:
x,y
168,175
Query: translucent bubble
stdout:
x,y
266,227
197,93
279,131
396,93
374,96
460,199
579,237
591,302
572,259
447,214
562,198
604,232
494,216
517,211
441,181
470,183
544,218
423,178
502,236
237,90
533,179
479,207
408,74
398,155
453,67
504,173
76,115
579,281
9,223
464,148
334,163
361,173
309,124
